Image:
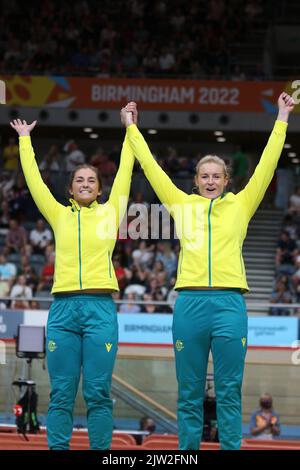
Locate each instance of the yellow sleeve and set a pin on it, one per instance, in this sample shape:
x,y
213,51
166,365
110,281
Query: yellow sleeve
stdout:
x,y
165,189
121,186
43,198
253,193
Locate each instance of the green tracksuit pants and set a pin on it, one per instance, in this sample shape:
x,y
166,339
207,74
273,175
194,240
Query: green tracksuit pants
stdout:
x,y
82,334
207,320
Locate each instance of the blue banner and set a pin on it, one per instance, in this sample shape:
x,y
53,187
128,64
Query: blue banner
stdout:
x,y
145,328
272,331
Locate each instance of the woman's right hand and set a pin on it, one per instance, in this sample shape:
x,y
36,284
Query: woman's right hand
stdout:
x,y
21,127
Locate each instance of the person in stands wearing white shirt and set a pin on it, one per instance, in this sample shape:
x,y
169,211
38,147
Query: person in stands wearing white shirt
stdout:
x,y
20,290
294,203
40,237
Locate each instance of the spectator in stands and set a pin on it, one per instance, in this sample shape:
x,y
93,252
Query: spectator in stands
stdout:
x,y
171,164
5,215
20,290
19,199
28,271
200,308
16,238
34,305
130,306
74,156
296,280
240,168
7,180
156,288
11,155
159,270
166,255
144,254
40,237
100,160
122,273
166,60
46,278
139,275
147,425
280,295
149,307
138,199
286,253
51,161
294,203
291,227
50,250
8,273
265,422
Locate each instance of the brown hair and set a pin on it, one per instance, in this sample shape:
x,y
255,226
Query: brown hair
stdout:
x,y
80,167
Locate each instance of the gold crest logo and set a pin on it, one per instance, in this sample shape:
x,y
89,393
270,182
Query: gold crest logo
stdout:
x,y
51,346
179,345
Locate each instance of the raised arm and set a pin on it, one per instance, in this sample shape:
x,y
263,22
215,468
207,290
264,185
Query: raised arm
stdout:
x,y
165,189
253,193
121,186
43,198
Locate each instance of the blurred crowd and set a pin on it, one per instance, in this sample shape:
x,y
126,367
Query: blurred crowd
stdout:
x,y
287,283
199,39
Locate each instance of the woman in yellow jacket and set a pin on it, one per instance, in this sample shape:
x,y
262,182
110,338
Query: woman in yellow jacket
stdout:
x,y
210,312
82,330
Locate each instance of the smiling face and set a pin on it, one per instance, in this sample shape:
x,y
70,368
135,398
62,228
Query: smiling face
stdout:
x,y
85,187
211,180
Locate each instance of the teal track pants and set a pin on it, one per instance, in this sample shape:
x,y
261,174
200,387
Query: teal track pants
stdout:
x,y
213,320
82,334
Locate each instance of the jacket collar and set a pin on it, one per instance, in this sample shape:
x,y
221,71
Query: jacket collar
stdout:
x,y
76,206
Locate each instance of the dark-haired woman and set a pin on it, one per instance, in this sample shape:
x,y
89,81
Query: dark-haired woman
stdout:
x,y
82,330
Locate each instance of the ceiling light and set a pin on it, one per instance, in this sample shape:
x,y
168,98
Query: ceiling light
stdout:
x,y
292,154
152,131
287,146
218,133
221,139
87,129
295,160
94,136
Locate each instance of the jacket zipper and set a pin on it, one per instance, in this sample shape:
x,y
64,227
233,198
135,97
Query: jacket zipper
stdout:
x,y
209,243
79,250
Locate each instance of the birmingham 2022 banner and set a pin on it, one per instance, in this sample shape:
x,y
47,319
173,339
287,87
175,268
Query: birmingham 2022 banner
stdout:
x,y
151,94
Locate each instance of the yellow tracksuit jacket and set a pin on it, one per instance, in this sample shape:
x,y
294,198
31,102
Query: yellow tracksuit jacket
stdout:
x,y
84,237
211,232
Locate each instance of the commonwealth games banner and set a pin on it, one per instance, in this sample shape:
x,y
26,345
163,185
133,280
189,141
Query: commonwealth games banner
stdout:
x,y
150,94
